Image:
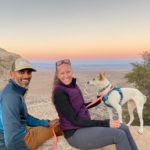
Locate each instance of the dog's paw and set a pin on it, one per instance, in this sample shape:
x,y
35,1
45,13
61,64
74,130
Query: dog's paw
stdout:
x,y
140,130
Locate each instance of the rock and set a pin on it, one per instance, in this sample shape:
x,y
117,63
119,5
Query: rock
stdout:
x,y
6,59
141,140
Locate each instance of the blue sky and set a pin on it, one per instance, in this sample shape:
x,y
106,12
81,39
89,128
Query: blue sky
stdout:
x,y
50,29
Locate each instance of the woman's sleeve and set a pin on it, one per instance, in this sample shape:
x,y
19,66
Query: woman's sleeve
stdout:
x,y
61,101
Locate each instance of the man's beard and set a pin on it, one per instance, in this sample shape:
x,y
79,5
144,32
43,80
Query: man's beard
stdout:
x,y
26,87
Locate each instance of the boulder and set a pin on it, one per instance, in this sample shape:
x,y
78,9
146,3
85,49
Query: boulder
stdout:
x,y
6,59
142,141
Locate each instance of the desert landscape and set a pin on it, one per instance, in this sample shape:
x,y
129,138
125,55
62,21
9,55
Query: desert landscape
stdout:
x,y
39,102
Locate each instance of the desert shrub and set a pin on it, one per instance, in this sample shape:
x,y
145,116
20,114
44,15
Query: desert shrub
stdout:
x,y
140,77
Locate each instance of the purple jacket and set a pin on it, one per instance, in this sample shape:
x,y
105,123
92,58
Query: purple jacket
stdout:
x,y
77,102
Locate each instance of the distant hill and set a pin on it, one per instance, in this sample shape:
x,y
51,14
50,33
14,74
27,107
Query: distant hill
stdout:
x,y
6,59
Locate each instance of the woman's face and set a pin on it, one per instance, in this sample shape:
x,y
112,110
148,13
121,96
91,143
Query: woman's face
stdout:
x,y
64,73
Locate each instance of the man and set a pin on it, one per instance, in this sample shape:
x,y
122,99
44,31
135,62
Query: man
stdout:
x,y
14,117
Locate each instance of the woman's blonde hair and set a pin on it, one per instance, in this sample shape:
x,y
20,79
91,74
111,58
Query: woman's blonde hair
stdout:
x,y
55,80
58,63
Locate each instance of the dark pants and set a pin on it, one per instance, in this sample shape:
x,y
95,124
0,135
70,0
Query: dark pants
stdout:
x,y
97,137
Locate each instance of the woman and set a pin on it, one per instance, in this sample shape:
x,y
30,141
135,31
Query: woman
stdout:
x,y
79,130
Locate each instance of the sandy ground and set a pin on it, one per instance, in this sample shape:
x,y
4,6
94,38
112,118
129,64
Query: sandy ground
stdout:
x,y
39,102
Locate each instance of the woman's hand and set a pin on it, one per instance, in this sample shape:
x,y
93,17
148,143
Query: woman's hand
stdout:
x,y
54,123
114,124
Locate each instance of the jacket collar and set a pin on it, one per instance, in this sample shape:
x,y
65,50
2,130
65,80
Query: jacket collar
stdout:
x,y
17,88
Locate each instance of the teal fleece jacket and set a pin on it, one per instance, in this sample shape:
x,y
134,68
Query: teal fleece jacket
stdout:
x,y
14,117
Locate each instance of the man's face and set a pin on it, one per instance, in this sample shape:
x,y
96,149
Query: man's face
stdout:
x,y
22,77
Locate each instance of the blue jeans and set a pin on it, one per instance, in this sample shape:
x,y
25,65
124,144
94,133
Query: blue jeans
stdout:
x,y
97,137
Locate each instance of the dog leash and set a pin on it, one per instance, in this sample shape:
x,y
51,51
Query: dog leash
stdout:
x,y
54,140
95,100
100,97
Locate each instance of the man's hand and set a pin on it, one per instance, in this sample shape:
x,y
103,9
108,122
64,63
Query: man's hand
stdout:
x,y
114,124
54,123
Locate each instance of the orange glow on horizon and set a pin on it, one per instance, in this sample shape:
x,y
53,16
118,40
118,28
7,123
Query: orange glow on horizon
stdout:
x,y
78,52
82,54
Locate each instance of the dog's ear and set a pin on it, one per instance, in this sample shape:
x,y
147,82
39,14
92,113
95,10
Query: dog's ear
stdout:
x,y
101,76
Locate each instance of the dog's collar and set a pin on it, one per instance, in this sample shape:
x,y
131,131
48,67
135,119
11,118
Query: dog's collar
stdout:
x,y
101,90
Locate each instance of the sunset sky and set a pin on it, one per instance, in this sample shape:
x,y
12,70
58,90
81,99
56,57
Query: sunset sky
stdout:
x,y
77,29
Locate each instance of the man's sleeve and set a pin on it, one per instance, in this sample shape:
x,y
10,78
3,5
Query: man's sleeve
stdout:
x,y
13,131
32,121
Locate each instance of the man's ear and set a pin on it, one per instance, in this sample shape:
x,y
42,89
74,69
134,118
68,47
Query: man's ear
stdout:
x,y
11,74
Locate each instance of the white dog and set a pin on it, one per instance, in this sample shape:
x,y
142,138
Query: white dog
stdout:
x,y
133,97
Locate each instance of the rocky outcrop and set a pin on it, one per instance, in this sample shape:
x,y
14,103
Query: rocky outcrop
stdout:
x,y
141,140
6,59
